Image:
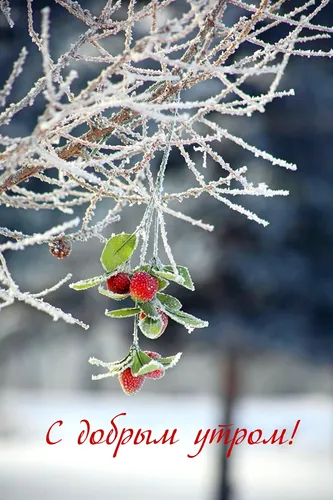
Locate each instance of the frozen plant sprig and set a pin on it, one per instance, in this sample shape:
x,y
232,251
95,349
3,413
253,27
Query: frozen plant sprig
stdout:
x,y
136,107
152,308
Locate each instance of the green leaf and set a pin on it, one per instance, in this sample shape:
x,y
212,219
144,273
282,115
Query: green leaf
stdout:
x,y
149,309
118,250
190,322
170,361
185,275
114,368
169,302
162,283
144,267
184,278
150,367
123,313
140,359
151,328
164,274
88,283
112,295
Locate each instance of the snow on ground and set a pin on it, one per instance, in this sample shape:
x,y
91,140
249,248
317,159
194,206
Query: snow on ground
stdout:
x,y
29,468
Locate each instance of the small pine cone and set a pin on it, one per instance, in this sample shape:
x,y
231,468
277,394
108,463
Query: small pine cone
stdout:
x,y
60,247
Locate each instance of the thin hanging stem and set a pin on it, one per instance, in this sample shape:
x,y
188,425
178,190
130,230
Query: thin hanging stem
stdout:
x,y
154,204
156,237
135,331
159,184
161,172
145,226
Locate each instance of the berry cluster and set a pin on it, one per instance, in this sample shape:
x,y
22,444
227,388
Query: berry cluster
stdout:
x,y
132,384
142,287
152,309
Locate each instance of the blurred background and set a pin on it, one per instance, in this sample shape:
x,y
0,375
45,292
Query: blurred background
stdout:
x,y
265,361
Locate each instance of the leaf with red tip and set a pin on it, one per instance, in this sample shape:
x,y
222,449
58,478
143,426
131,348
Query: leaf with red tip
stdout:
x,y
150,368
153,354
160,372
149,309
143,364
140,359
162,283
151,328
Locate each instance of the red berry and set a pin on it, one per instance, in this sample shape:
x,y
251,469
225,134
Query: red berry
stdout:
x,y
130,385
143,286
119,283
60,247
156,374
152,354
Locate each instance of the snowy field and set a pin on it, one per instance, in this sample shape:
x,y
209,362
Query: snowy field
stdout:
x,y
31,469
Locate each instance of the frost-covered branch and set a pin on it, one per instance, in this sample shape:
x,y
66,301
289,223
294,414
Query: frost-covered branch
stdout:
x,y
128,109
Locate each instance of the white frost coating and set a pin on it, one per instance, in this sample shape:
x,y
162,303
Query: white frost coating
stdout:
x,y
17,70
142,114
36,239
5,8
53,288
175,360
12,292
114,367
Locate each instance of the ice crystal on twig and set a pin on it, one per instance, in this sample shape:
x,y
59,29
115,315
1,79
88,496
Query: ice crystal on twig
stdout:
x,y
5,9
